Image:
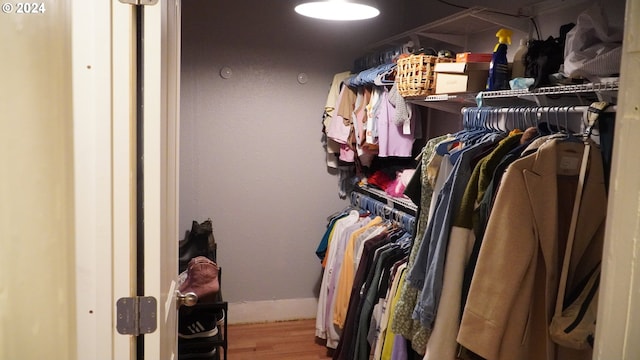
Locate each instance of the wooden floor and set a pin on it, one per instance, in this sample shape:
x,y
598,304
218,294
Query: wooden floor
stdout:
x,y
279,340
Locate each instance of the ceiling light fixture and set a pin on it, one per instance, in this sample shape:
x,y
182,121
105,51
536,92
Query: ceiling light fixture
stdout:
x,y
341,10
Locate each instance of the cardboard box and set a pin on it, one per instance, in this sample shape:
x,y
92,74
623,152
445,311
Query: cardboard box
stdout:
x,y
473,57
461,77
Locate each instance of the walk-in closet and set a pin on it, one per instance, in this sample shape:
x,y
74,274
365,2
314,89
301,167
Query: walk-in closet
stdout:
x,y
441,180
435,218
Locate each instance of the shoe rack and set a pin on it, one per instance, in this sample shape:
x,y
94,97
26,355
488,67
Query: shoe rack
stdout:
x,y
200,242
207,348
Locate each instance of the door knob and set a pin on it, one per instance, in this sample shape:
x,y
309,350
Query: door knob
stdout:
x,y
187,299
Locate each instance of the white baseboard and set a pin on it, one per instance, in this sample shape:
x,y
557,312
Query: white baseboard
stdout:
x,y
247,312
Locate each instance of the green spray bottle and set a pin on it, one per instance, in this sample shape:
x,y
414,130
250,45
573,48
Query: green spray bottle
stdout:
x,y
499,67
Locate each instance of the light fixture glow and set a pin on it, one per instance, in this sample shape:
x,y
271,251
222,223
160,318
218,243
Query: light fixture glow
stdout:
x,y
340,10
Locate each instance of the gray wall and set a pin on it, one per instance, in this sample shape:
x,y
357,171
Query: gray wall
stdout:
x,y
251,157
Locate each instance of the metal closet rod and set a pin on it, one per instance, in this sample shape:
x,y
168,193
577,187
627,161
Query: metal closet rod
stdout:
x,y
539,109
509,118
376,207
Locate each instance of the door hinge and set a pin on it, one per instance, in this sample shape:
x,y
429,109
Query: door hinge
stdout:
x,y
137,315
139,2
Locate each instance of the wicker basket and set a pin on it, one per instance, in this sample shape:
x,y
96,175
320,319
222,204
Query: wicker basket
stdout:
x,y
414,74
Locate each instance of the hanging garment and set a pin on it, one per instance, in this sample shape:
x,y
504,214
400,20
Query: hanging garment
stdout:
x,y
321,250
390,336
392,139
360,118
385,334
428,271
347,273
383,265
367,262
371,135
403,110
341,126
379,317
352,239
332,147
403,324
323,298
333,333
483,209
513,290
442,344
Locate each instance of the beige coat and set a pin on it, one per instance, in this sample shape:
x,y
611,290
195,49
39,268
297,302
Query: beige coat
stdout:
x,y
513,292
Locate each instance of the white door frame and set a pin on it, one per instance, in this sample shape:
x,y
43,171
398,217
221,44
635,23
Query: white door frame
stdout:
x,y
618,327
103,47
102,101
161,158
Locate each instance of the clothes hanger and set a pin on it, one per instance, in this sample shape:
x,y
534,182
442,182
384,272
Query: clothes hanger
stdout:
x,y
527,120
340,213
473,136
491,126
569,136
521,122
510,115
408,222
519,118
479,121
495,124
469,120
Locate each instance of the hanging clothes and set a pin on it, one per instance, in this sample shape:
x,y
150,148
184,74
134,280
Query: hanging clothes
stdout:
x,y
480,273
394,139
512,294
332,147
347,272
403,322
383,332
365,294
427,273
322,330
442,344
363,252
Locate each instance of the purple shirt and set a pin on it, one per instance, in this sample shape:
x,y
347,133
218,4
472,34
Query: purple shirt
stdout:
x,y
391,139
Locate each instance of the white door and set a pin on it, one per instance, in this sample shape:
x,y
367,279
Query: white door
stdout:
x,y
126,121
161,69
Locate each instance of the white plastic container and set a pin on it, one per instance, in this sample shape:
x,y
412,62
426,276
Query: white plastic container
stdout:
x,y
518,67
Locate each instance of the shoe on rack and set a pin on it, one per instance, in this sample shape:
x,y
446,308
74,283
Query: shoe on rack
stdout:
x,y
199,351
194,242
201,279
198,242
220,315
197,324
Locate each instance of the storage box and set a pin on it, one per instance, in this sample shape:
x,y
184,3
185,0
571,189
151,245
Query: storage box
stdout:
x,y
415,74
473,57
461,77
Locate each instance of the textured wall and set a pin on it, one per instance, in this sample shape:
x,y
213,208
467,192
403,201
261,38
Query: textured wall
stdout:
x,y
251,157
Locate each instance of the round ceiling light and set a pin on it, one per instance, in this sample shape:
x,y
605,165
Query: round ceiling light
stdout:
x,y
340,10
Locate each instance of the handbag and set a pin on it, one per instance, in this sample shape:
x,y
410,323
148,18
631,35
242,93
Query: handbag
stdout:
x,y
574,326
